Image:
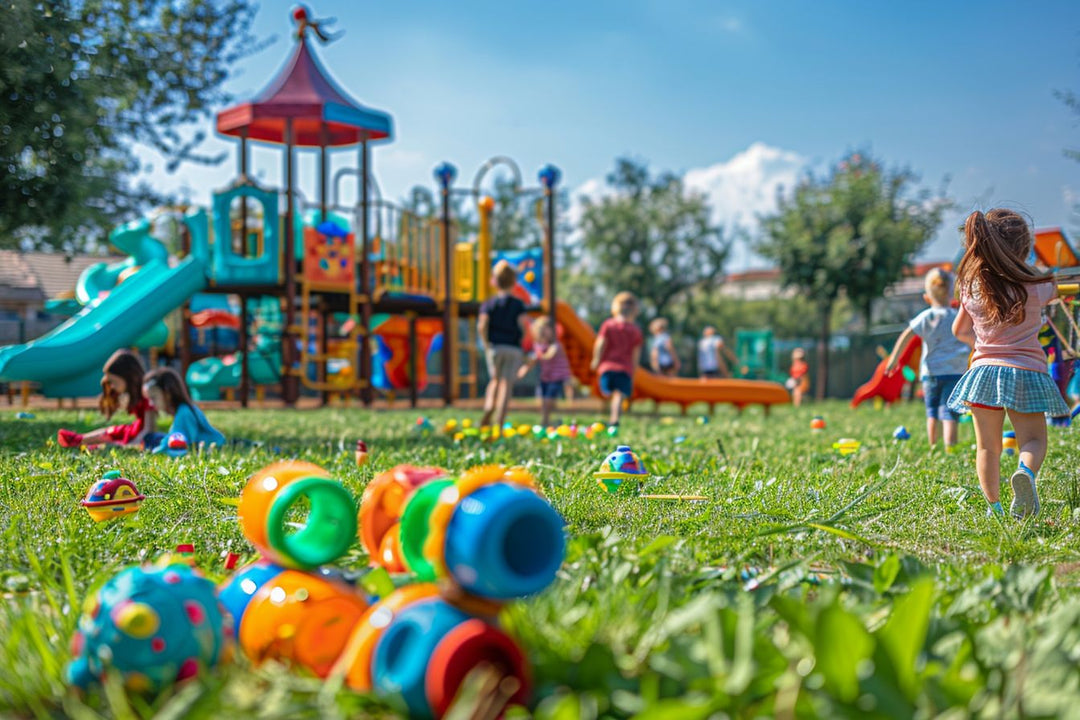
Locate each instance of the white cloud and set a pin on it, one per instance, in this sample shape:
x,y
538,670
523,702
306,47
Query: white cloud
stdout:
x,y
745,186
738,189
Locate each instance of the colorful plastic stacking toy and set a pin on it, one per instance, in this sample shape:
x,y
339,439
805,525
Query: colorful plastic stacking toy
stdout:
x,y
1008,442
818,423
274,491
111,497
847,446
153,625
485,537
901,433
381,508
176,445
361,453
424,653
621,472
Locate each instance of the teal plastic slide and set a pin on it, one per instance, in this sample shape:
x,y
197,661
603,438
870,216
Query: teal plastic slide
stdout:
x,y
67,362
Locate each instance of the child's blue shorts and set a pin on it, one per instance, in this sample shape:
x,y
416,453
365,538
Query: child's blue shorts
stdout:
x,y
611,382
936,392
552,390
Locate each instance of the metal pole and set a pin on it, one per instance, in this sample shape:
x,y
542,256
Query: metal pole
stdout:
x,y
289,388
324,181
244,250
549,178
445,175
245,354
324,347
549,242
364,279
413,389
324,174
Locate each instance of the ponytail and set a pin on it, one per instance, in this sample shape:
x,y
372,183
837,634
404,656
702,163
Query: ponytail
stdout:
x,y
994,267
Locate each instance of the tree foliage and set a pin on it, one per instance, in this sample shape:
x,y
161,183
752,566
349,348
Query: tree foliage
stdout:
x,y
850,232
649,236
82,82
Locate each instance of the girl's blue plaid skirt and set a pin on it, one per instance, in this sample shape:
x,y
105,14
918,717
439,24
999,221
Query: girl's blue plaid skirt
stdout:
x,y
1025,391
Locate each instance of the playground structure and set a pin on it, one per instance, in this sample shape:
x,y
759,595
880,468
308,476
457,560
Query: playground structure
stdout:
x,y
349,298
256,242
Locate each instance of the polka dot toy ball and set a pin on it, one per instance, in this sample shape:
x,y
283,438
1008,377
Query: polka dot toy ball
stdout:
x,y
154,625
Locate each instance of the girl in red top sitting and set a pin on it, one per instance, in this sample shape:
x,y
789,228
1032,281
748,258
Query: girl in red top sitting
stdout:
x,y
121,386
617,352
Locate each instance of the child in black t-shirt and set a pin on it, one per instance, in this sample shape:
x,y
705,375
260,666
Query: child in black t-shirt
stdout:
x,y
501,327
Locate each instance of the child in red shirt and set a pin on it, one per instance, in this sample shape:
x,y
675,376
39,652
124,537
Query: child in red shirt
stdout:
x,y
121,385
617,352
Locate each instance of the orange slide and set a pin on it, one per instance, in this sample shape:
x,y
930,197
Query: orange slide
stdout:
x,y
578,337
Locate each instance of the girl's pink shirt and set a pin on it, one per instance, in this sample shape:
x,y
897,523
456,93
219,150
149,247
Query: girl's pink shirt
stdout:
x,y
1010,345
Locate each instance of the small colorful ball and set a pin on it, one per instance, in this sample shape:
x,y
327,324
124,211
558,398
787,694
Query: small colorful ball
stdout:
x,y
901,433
622,471
818,423
153,625
361,453
1008,442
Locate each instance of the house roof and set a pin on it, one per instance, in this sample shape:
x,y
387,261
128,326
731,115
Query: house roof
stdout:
x,y
40,276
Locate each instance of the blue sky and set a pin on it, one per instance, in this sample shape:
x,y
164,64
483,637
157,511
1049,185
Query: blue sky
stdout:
x,y
742,96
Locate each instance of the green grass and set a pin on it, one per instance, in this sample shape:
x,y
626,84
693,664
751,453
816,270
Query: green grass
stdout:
x,y
806,586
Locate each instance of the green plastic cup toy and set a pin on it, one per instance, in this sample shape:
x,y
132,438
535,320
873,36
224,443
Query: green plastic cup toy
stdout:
x,y
622,472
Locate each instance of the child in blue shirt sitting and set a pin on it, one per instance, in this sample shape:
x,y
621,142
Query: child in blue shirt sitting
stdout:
x,y
167,392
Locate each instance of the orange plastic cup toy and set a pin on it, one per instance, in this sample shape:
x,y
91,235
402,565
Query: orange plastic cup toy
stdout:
x,y
300,618
381,508
277,489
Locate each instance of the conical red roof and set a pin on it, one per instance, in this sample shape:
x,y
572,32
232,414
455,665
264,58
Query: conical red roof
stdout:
x,y
304,92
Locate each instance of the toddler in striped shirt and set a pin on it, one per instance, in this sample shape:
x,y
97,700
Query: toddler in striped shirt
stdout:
x,y
554,367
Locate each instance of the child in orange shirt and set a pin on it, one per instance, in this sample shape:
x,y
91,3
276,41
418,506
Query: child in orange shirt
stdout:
x,y
798,381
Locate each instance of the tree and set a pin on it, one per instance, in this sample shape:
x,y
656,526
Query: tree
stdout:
x,y
851,232
82,82
650,236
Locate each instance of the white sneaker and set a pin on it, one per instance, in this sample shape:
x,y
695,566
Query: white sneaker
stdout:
x,y
1025,497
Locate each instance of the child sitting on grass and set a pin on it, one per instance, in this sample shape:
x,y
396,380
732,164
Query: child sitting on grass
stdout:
x,y
944,358
554,367
121,386
617,352
166,389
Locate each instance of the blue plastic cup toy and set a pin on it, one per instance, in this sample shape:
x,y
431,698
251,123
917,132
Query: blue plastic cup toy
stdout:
x,y
429,647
